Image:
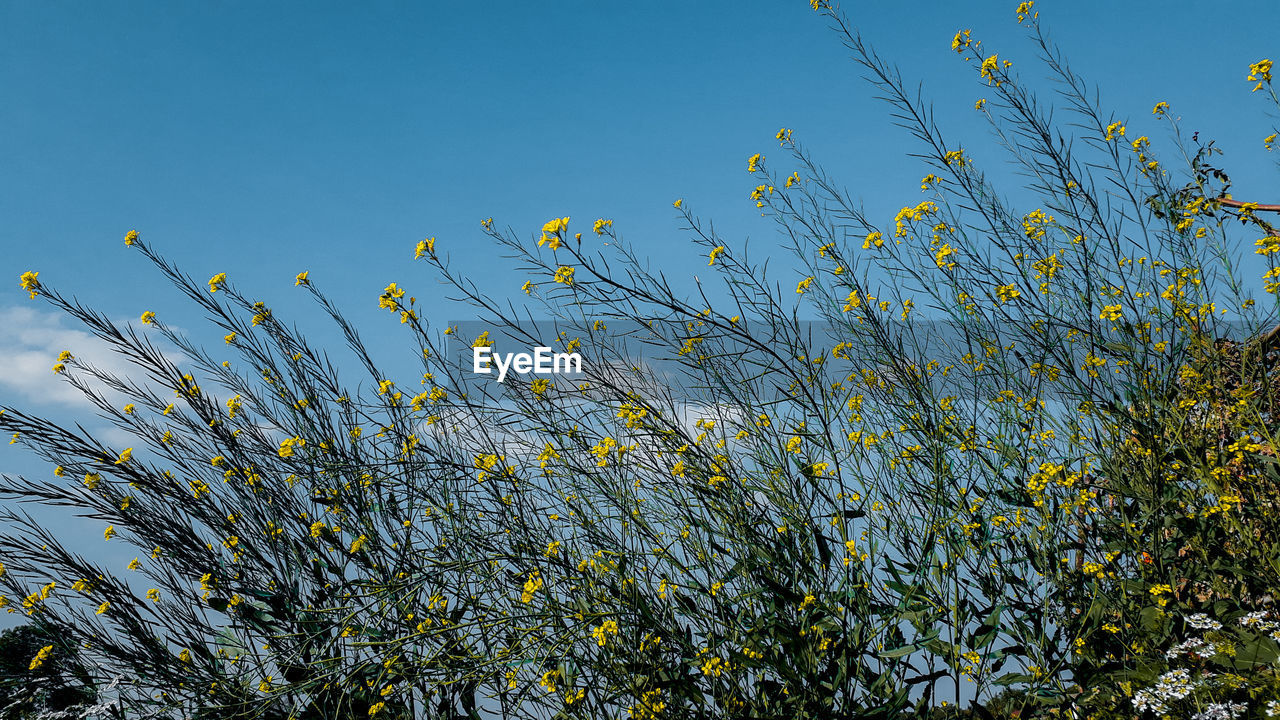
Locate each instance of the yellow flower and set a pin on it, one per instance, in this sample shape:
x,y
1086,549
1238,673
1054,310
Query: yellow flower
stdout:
x,y
148,317
131,237
1160,109
288,444
961,40
678,203
153,595
944,252
45,653
134,564
564,275
1115,130
1007,292
124,456
29,282
531,586
981,104
753,162
989,67
229,338
1260,72
358,544
59,368
552,232
91,480
217,281
600,225
804,285
602,633
715,253
109,533
301,279
102,608
1024,11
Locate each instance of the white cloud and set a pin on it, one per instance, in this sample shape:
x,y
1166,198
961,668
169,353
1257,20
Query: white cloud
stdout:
x,y
30,341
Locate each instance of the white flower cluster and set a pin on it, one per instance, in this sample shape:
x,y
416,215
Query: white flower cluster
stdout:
x,y
1221,711
1190,646
1180,684
1259,620
1173,685
1200,621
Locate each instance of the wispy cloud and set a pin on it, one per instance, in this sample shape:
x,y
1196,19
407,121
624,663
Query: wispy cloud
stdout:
x,y
30,341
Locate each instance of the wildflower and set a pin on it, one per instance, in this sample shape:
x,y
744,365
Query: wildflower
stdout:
x,y
1007,292
148,318
980,105
102,608
715,252
358,544
564,275
1160,109
804,285
1260,72
131,237
45,653
153,595
1200,621
1024,11
753,162
551,232
678,203
124,456
944,252
425,247
109,533
301,278
29,282
217,281
961,40
783,136
532,585
601,225
988,69
1221,711
604,631
288,444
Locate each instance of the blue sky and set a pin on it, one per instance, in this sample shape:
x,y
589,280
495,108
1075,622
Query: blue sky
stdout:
x,y
264,139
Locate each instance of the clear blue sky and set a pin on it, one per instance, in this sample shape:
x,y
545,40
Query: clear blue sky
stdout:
x,y
262,139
